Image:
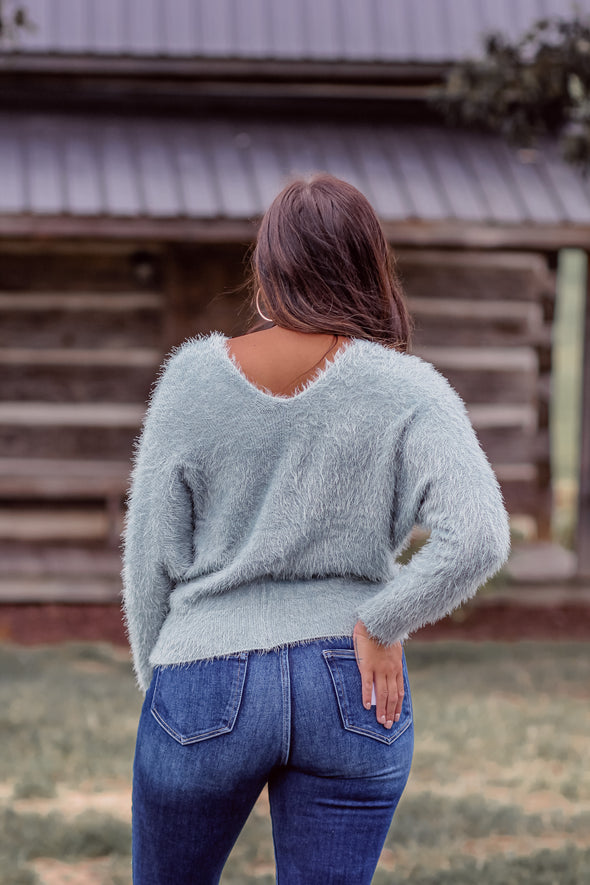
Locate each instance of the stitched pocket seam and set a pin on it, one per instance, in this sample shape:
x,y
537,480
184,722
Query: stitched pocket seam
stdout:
x,y
331,657
229,716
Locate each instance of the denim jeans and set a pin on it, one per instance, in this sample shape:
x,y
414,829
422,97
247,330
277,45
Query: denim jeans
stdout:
x,y
213,733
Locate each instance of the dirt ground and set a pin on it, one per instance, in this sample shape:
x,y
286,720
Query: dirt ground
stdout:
x,y
499,792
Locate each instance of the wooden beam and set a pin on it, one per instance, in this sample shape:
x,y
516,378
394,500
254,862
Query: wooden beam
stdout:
x,y
61,478
80,356
583,532
174,230
74,301
463,234
36,589
26,524
40,414
91,248
199,70
492,416
403,233
489,359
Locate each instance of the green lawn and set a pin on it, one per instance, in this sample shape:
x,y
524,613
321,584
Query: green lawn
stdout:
x,y
499,792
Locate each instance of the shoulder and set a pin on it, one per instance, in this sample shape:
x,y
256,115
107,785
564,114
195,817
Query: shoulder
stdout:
x,y
407,379
177,390
191,351
189,359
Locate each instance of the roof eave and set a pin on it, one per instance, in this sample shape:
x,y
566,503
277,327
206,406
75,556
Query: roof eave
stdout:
x,y
411,232
206,68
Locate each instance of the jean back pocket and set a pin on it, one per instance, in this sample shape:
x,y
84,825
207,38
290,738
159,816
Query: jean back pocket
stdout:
x,y
347,682
200,700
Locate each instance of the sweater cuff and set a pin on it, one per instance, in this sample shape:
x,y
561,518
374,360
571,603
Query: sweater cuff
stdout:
x,y
379,630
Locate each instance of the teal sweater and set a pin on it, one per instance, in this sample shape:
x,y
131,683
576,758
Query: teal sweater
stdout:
x,y
256,520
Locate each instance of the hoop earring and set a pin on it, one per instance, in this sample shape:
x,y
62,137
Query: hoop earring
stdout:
x,y
268,319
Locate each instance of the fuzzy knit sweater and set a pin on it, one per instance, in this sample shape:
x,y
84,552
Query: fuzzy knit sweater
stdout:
x,y
257,520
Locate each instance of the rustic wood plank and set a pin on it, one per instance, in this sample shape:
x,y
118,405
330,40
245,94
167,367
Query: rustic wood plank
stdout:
x,y
487,386
453,234
71,414
84,384
529,262
483,375
35,559
516,472
512,446
67,266
59,589
27,524
59,478
530,499
72,330
118,302
475,275
44,356
459,322
489,359
108,443
495,416
529,315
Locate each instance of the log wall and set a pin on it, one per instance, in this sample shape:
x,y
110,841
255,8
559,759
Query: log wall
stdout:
x,y
484,320
81,337
83,332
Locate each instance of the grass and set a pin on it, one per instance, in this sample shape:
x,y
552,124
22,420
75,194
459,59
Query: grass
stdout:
x,y
499,792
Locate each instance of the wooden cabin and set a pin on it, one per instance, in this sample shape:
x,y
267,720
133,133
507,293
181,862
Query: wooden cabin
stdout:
x,y
140,143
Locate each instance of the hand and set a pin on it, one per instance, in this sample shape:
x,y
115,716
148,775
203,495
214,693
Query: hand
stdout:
x,y
381,665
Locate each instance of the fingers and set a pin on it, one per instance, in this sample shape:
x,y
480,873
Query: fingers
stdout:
x,y
389,692
381,697
367,680
400,696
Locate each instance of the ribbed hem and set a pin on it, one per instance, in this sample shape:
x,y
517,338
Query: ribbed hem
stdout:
x,y
261,616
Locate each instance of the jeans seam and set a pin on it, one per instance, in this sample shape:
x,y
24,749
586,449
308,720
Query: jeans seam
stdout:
x,y
286,698
230,709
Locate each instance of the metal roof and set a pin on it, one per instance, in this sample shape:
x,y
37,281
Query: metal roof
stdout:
x,y
327,30
60,165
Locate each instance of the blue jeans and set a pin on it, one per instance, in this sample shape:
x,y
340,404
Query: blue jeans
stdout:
x,y
213,733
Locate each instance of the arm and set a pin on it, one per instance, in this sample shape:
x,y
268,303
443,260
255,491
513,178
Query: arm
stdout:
x,y
157,538
445,479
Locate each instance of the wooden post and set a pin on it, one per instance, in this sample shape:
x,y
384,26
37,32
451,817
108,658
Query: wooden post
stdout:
x,y
583,533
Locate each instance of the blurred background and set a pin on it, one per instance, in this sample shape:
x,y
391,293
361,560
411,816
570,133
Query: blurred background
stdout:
x,y
140,143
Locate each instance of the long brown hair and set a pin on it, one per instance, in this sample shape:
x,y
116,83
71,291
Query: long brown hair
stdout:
x,y
321,263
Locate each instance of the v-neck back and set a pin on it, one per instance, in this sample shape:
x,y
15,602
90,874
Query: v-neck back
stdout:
x,y
315,380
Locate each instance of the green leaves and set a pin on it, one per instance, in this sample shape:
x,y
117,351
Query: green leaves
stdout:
x,y
13,18
538,85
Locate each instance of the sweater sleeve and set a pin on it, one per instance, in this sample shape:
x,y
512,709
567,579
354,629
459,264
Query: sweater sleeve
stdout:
x,y
157,536
443,475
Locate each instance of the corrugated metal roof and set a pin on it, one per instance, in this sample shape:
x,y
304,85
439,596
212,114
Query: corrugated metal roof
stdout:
x,y
327,30
164,168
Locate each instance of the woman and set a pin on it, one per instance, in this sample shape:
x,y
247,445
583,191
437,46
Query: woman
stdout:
x,y
277,478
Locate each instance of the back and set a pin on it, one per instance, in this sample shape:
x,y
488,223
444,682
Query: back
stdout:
x,y
282,361
257,520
